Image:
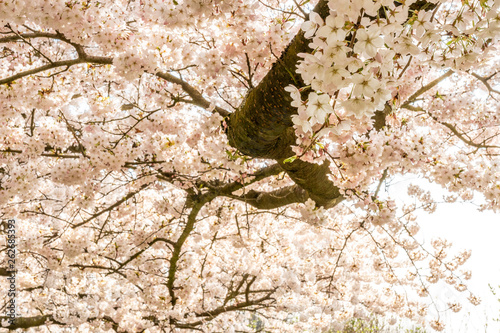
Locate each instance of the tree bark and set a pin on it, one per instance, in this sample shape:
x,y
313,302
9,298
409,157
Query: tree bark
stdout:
x,y
262,127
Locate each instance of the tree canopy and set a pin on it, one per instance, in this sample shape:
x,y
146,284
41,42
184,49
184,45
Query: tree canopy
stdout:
x,y
191,165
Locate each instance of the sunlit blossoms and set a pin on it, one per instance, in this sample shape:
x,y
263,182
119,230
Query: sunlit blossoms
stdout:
x,y
219,166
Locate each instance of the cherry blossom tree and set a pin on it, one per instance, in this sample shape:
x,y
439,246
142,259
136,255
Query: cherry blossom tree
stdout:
x,y
191,165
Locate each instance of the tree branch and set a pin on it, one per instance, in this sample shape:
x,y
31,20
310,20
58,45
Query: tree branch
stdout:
x,y
16,37
196,96
274,199
113,206
426,88
262,127
198,204
485,80
261,174
55,64
452,128
29,322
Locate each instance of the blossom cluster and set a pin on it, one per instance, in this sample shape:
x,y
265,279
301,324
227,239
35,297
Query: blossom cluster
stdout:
x,y
138,216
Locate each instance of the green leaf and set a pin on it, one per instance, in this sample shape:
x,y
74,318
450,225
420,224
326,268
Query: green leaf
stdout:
x,y
290,159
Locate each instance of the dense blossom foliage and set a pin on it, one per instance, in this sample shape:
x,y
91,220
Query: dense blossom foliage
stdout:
x,y
137,213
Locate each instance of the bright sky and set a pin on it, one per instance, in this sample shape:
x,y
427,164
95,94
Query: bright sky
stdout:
x,y
467,228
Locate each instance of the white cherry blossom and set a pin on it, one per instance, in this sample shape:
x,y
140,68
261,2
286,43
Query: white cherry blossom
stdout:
x,y
369,41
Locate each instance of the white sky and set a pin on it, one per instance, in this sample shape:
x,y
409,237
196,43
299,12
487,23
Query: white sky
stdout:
x,y
467,228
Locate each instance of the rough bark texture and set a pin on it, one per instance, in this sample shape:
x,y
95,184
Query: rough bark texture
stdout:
x,y
262,126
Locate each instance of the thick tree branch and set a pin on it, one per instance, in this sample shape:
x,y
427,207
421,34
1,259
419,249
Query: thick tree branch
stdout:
x,y
29,322
37,321
274,199
259,175
262,126
55,64
263,200
17,37
258,126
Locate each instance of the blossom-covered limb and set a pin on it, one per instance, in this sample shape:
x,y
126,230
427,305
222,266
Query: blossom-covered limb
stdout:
x,y
84,57
274,199
426,88
199,202
485,80
197,97
258,124
110,208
